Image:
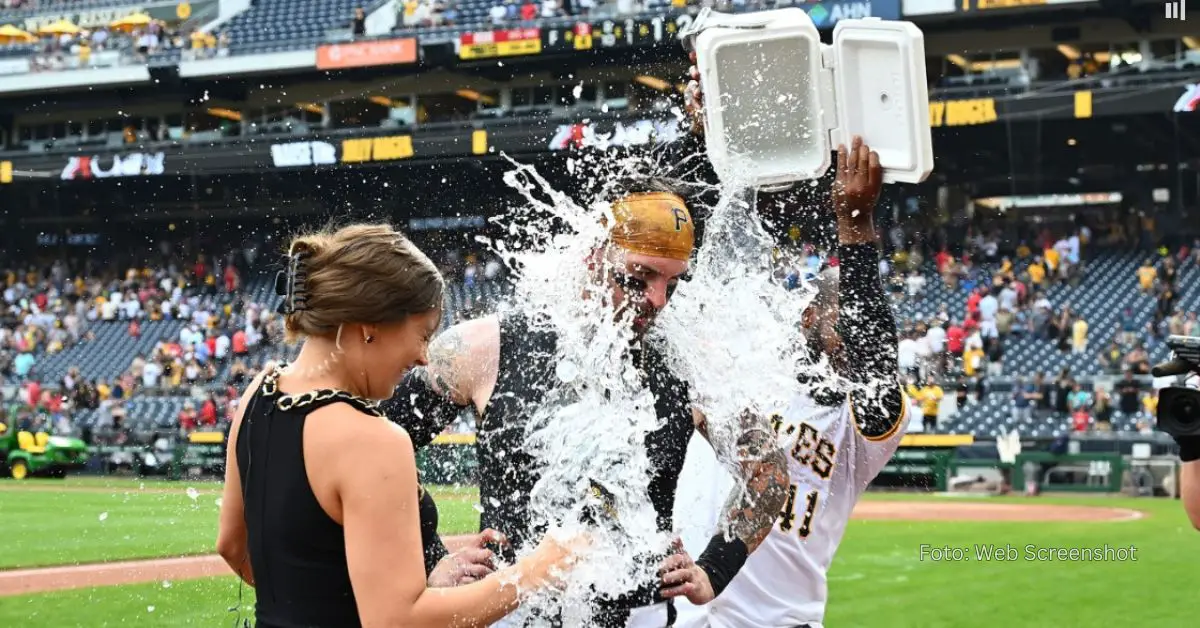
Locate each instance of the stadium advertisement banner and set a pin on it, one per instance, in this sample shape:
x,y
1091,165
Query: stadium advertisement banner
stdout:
x,y
1013,6
109,166
827,14
615,133
917,8
367,53
524,136
505,43
1189,100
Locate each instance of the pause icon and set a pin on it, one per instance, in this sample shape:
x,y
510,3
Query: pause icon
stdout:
x,y
1176,10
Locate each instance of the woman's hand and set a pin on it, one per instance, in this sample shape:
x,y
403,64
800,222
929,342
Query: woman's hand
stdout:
x,y
470,563
553,560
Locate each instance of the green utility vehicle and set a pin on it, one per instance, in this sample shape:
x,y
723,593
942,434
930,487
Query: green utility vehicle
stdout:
x,y
23,454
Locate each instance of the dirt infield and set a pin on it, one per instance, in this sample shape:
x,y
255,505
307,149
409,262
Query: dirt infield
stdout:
x,y
976,511
19,581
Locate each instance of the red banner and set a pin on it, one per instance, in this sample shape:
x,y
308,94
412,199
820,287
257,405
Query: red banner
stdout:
x,y
506,43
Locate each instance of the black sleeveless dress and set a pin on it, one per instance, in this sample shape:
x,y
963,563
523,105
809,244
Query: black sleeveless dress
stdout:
x,y
297,552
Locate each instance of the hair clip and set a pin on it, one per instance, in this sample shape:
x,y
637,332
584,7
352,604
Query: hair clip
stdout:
x,y
289,284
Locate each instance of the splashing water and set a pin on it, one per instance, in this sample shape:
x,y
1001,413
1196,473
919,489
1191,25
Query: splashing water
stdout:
x,y
593,422
731,332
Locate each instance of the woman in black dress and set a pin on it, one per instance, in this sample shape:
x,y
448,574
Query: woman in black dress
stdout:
x,y
321,511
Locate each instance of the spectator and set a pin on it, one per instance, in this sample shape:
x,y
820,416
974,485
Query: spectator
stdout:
x,y
498,14
1063,385
1078,398
989,306
1043,395
358,27
906,355
930,397
528,11
1128,394
1080,420
188,418
1037,271
23,364
1168,274
935,339
1079,336
1138,360
1102,411
955,340
1110,358
1150,405
1009,296
1022,401
1146,274
960,393
973,360
915,283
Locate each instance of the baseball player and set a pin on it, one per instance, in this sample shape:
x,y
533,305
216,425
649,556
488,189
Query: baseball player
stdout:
x,y
837,436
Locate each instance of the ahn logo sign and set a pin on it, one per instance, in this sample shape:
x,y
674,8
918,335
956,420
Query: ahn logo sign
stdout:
x,y
1189,100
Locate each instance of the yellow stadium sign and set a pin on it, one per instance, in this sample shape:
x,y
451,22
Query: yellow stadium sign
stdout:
x,y
6,172
962,112
377,149
989,5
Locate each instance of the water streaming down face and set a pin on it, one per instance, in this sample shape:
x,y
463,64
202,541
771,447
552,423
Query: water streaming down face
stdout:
x,y
731,332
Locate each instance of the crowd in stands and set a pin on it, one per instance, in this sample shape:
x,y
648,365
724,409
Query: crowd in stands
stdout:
x,y
107,46
224,337
1005,299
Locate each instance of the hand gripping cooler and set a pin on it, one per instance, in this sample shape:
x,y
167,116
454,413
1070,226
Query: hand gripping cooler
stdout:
x,y
778,102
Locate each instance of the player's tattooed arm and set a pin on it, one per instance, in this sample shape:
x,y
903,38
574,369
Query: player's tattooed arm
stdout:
x,y
750,512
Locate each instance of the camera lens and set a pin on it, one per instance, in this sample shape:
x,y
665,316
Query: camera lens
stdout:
x,y
1186,409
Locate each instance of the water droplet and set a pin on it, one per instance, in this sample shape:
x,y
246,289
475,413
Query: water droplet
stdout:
x,y
166,584
149,609
103,516
193,493
566,371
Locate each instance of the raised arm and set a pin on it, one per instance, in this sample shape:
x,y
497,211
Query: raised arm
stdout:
x,y
463,364
865,325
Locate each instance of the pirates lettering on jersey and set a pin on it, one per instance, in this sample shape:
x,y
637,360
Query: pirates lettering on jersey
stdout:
x,y
809,449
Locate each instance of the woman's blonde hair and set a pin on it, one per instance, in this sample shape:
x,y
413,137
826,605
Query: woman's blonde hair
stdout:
x,y
357,274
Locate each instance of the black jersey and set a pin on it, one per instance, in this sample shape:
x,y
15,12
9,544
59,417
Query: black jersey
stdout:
x,y
506,471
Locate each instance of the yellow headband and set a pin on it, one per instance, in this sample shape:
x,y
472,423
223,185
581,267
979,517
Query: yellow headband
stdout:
x,y
656,224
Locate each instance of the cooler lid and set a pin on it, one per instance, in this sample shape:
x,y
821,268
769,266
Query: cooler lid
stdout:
x,y
882,95
761,110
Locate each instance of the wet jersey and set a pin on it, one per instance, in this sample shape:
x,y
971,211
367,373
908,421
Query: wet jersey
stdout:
x,y
783,583
506,472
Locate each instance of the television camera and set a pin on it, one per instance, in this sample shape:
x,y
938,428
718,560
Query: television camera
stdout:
x,y
1179,405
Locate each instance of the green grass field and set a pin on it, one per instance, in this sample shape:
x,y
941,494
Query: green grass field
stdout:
x,y
878,578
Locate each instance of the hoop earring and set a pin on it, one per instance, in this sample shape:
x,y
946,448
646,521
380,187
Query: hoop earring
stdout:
x,y
369,339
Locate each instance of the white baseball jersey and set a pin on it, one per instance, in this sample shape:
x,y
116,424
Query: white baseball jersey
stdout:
x,y
783,583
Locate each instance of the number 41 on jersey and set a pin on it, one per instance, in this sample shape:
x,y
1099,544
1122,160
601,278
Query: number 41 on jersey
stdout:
x,y
787,518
